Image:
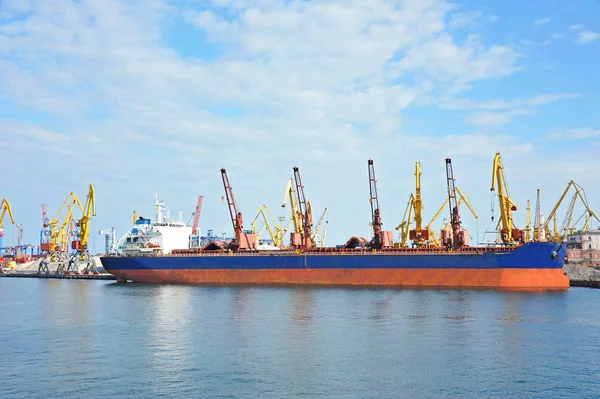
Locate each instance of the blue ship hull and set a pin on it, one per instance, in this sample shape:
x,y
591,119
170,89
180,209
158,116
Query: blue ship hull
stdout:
x,y
532,265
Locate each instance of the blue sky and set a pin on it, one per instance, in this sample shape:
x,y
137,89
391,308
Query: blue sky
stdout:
x,y
144,97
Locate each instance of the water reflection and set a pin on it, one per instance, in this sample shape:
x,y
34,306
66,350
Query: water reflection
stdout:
x,y
171,335
301,306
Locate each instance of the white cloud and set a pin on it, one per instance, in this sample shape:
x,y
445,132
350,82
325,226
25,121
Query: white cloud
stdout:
x,y
587,36
581,133
541,21
576,27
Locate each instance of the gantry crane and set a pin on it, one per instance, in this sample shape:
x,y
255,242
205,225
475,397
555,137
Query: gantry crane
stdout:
x,y
82,233
306,214
4,209
557,235
418,235
241,240
380,239
57,246
509,234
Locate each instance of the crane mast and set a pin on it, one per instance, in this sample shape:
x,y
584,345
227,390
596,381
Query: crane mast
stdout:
x,y
457,235
528,224
4,209
197,215
374,201
509,234
418,235
305,211
241,240
236,217
296,214
381,239
537,220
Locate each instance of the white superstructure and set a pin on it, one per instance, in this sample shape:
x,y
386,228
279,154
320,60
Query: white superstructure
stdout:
x,y
160,236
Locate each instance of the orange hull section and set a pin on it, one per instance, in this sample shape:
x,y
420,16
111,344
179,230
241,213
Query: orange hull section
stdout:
x,y
510,279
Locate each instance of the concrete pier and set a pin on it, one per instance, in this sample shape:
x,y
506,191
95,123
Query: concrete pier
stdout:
x,y
101,276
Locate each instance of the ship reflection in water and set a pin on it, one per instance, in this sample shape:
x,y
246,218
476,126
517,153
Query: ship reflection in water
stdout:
x,y
133,340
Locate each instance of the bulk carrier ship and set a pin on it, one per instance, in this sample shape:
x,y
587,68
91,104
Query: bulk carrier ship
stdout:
x,y
514,264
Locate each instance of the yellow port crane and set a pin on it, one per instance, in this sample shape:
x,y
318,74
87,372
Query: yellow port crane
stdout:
x,y
509,234
135,217
276,232
418,235
4,209
314,236
290,193
462,197
404,226
557,235
83,234
57,246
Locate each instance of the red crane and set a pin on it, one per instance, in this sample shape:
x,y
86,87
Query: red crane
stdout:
x,y
374,200
304,210
197,215
457,235
236,217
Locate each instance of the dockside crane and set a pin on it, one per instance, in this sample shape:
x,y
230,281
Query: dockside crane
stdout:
x,y
380,239
418,235
315,234
404,226
509,233
274,229
241,240
462,197
538,222
306,213
57,246
458,236
4,209
290,193
528,224
195,236
557,235
82,233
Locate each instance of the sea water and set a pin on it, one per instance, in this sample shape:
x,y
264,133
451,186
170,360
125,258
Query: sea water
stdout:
x,y
96,339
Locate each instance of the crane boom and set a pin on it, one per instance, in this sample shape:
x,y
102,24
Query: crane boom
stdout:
x,y
418,235
84,222
305,211
318,226
197,215
4,209
375,211
236,216
457,237
509,234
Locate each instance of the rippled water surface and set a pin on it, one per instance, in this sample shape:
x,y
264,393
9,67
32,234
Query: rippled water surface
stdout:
x,y
96,339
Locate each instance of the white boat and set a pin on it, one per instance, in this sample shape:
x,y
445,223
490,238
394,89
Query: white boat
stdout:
x,y
160,236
